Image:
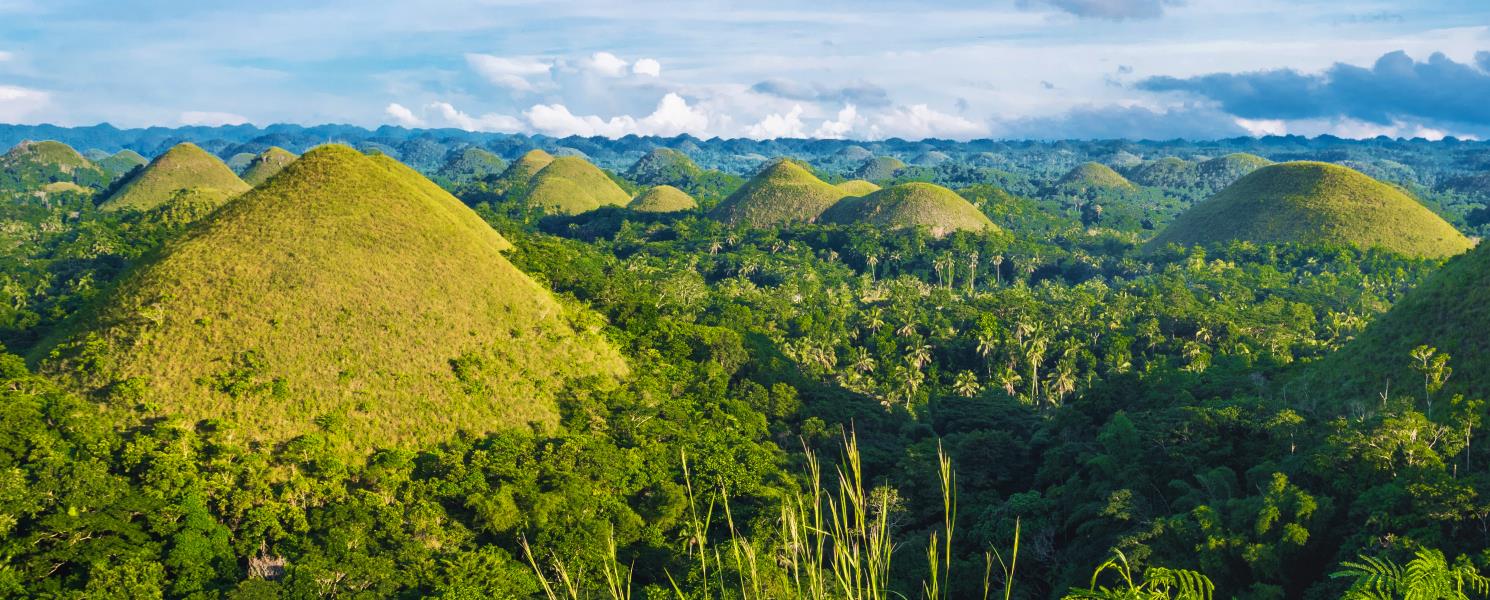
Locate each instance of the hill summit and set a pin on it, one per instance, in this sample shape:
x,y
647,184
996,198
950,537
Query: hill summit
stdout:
x,y
663,166
663,198
266,165
31,165
346,293
783,192
907,205
571,185
1092,176
184,168
1313,202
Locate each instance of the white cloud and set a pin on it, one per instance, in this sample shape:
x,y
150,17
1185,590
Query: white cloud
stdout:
x,y
647,66
490,122
512,73
777,125
920,121
673,116
606,64
1262,127
210,118
837,129
402,115
17,103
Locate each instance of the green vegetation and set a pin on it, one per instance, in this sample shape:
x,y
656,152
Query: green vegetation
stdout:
x,y
266,165
349,289
468,165
1217,173
30,165
857,187
908,205
662,199
183,167
879,168
664,166
1165,172
571,185
1315,203
121,163
783,192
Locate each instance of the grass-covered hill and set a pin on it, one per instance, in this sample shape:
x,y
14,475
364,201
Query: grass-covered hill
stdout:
x,y
571,185
347,292
879,168
121,163
908,205
784,192
239,162
470,164
664,166
31,165
1312,202
662,199
1219,172
1092,177
183,167
266,165
1449,311
931,158
517,176
857,187
1168,172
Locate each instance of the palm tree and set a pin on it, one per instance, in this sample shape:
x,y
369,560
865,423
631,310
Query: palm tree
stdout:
x,y
918,356
998,263
1009,379
1063,383
966,384
873,261
972,271
1034,352
862,361
874,319
1429,576
714,247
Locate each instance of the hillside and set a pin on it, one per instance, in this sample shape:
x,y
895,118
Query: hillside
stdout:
x,y
664,166
571,185
470,164
266,165
346,290
661,199
1312,202
121,163
183,167
878,168
1168,172
910,205
1092,176
30,165
784,192
1449,311
857,187
1222,171
516,177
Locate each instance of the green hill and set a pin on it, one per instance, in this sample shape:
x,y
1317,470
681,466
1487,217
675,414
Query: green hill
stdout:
x,y
784,192
853,153
266,165
662,198
857,187
1222,171
470,164
347,293
1170,172
1449,310
1311,202
183,167
239,162
1092,176
879,168
30,165
931,158
121,163
516,178
664,166
909,205
571,185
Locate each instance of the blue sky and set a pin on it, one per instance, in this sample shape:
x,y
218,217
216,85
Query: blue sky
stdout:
x,y
864,69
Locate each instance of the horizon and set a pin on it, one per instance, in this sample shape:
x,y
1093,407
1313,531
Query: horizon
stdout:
x,y
1015,69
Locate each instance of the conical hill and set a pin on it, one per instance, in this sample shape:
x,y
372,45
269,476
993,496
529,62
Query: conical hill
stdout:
x,y
184,167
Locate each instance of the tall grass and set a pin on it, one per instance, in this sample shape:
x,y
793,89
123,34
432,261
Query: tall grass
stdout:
x,y
828,545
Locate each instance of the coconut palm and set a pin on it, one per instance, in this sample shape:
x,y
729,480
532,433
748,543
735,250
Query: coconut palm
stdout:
x,y
1009,379
966,384
862,361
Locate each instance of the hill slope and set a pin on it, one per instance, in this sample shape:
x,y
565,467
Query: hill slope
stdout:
x,y
908,205
879,168
183,167
347,287
1092,176
571,185
857,187
1222,171
663,166
1309,202
121,163
783,192
471,164
663,198
30,165
266,165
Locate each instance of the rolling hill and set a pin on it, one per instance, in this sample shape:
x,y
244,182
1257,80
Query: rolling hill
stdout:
x,y
857,187
266,165
121,163
516,177
909,205
879,168
469,164
183,167
571,185
1312,202
783,192
662,199
1168,172
30,165
1092,176
664,166
1222,171
348,294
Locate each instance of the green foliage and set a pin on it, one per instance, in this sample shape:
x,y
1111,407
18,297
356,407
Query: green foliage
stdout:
x,y
1428,576
266,164
183,167
571,185
662,199
910,205
878,168
782,193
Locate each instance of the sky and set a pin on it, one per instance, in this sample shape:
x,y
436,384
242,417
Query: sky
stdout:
x,y
865,69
